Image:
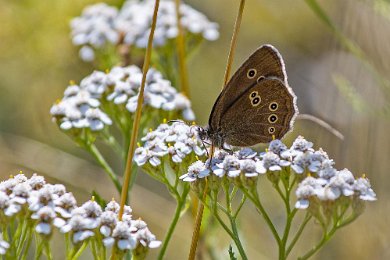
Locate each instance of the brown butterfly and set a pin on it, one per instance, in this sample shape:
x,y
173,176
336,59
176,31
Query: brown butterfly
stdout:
x,y
256,106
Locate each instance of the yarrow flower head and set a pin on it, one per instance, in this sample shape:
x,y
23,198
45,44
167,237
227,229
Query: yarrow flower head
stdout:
x,y
177,141
79,110
49,206
94,28
81,107
135,17
100,25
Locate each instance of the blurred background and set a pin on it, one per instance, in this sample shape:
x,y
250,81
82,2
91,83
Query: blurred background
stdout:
x,y
338,65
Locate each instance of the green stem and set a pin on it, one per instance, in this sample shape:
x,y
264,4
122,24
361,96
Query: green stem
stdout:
x,y
255,199
243,199
38,253
233,224
79,251
67,246
16,236
113,143
180,203
298,234
99,157
326,237
237,238
47,250
29,239
22,239
93,249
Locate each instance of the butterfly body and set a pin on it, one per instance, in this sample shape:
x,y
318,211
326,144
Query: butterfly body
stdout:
x,y
256,106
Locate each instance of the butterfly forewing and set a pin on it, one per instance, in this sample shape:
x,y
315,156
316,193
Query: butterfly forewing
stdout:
x,y
264,110
265,62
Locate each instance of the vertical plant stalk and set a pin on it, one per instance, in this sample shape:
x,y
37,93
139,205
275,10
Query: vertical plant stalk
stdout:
x,y
198,223
233,43
181,53
137,118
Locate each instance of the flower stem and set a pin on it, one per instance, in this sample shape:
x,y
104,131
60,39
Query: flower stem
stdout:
x,y
233,43
180,203
232,219
255,199
29,239
94,251
38,252
298,234
99,157
138,112
198,223
47,250
79,251
22,239
237,238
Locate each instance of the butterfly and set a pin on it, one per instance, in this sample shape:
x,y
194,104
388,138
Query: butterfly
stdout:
x,y
256,106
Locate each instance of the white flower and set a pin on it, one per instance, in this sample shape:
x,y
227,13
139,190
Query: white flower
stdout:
x,y
363,187
87,54
196,170
300,145
92,212
229,166
65,204
272,162
47,217
36,182
80,110
41,198
309,187
277,147
134,21
80,227
252,168
94,27
122,236
4,245
108,222
20,193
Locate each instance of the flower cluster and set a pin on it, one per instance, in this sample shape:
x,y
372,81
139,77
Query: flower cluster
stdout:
x,y
101,24
323,182
81,106
177,140
52,206
79,109
94,28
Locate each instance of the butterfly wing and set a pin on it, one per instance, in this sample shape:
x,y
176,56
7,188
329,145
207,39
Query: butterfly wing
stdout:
x,y
265,109
265,62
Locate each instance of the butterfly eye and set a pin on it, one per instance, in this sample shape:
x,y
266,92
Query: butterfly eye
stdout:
x,y
273,106
272,118
256,101
271,130
251,73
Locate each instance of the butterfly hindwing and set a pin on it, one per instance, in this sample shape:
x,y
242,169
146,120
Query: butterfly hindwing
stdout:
x,y
265,109
264,62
